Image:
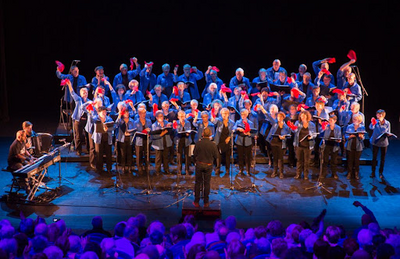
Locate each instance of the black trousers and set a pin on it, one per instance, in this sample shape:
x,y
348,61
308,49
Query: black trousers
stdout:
x,y
375,151
316,150
103,149
328,152
125,152
277,153
303,160
141,157
92,150
244,156
162,157
292,153
265,147
80,134
203,178
353,161
182,153
227,156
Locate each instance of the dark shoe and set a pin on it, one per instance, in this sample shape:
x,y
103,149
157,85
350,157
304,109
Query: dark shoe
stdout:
x,y
372,175
241,172
196,204
305,176
335,176
381,175
206,204
217,171
273,175
281,176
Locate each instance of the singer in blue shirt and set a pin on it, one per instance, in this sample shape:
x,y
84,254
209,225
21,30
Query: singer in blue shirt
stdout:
x,y
191,74
166,80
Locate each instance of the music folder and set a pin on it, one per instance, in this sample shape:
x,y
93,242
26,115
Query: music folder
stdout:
x,y
385,135
280,88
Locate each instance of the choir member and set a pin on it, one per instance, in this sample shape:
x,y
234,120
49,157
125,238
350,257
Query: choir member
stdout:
x,y
216,108
277,139
354,109
142,125
202,124
325,87
253,116
354,88
166,80
125,126
354,145
211,76
125,76
343,73
102,137
296,97
79,117
301,73
192,75
292,116
265,129
341,105
266,99
258,82
133,93
180,94
100,93
118,95
98,79
239,80
306,85
147,78
182,141
170,114
78,81
379,126
223,135
236,102
322,64
304,133
211,95
273,72
320,115
161,142
283,79
158,97
91,111
310,101
332,138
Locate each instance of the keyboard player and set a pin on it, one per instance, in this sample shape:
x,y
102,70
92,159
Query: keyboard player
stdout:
x,y
18,155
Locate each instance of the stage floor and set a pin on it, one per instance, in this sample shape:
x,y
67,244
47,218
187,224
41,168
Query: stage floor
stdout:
x,y
85,194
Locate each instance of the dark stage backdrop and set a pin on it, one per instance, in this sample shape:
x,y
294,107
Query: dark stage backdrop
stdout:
x,y
228,34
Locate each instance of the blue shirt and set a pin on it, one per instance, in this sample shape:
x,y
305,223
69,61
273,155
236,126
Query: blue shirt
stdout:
x,y
121,129
356,90
96,83
167,81
241,139
200,129
147,81
140,128
234,82
81,82
349,141
285,131
378,129
131,75
193,77
209,98
273,75
317,69
219,124
218,81
157,140
79,108
311,132
337,133
180,128
97,136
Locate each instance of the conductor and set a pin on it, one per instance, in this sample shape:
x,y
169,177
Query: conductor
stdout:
x,y
205,153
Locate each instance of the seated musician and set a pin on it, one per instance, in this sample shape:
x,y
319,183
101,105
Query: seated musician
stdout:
x,y
191,74
273,72
239,80
211,95
354,88
354,146
125,76
301,73
223,134
102,138
166,79
343,73
147,78
76,80
27,126
161,142
79,117
158,97
277,139
322,65
98,80
202,124
143,125
211,76
124,124
182,141
332,135
181,95
134,94
18,155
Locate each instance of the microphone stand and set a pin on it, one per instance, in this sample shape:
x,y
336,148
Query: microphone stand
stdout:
x,y
254,188
364,91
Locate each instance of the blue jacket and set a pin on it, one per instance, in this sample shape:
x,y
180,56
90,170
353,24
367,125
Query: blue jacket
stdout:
x,y
131,75
121,128
349,141
311,131
187,126
116,100
342,115
159,100
233,83
157,140
96,83
341,79
243,139
167,81
337,133
135,98
138,125
274,75
218,81
378,129
356,90
147,81
266,104
81,82
316,68
218,129
89,128
200,128
349,118
193,77
208,98
186,97
79,109
97,136
285,131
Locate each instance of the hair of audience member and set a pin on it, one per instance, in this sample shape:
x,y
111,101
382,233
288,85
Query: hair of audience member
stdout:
x,y
9,245
263,245
41,229
89,255
336,252
53,232
27,226
7,232
107,246
394,240
4,222
131,233
293,253
232,236
350,245
151,251
195,250
260,232
374,228
230,223
142,256
364,237
74,244
321,248
141,218
22,241
94,247
250,234
295,236
342,231
278,247
223,233
178,233
275,228
384,251
332,234
212,255
378,239
303,235
53,252
132,221
289,230
191,220
197,238
63,243
97,222
119,229
361,254
39,243
234,249
156,238
156,225
309,242
218,224
61,226
39,256
189,230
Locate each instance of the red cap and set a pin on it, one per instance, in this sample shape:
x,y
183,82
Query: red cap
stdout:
x,y
271,94
331,60
131,60
302,105
255,107
348,91
216,69
338,91
325,71
294,76
352,55
60,66
295,92
213,113
144,131
122,111
242,92
100,90
150,64
191,115
175,90
147,92
128,101
373,121
246,97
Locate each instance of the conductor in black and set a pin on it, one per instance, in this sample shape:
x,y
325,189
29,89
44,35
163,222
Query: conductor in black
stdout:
x,y
205,153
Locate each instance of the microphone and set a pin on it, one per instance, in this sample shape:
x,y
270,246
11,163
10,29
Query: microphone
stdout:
x,y
353,66
77,61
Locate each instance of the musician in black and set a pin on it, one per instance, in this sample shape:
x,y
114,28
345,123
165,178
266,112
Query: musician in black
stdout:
x,y
27,126
205,153
18,155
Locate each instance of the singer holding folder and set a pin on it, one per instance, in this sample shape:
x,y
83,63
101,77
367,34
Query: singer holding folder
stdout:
x,y
354,145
